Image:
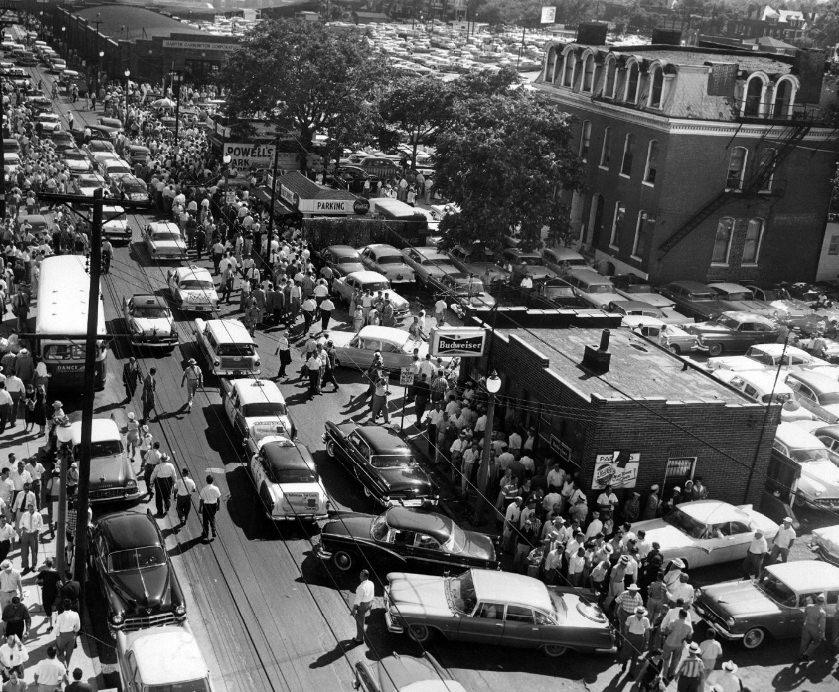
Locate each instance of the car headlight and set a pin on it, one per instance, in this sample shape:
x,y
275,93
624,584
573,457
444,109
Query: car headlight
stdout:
x,y
256,363
386,498
130,484
730,622
117,618
180,609
216,363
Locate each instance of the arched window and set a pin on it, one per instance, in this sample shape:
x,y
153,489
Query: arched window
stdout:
x,y
568,69
585,140
722,241
611,72
550,65
631,92
784,97
605,150
628,154
588,73
736,168
651,167
753,102
754,238
656,86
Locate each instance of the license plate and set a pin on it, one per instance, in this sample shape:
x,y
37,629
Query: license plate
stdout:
x,y
412,503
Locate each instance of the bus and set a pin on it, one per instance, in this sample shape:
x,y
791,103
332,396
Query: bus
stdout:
x,y
409,224
61,322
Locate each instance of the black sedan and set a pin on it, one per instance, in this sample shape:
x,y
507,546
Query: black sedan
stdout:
x,y
351,178
402,540
382,462
341,259
139,585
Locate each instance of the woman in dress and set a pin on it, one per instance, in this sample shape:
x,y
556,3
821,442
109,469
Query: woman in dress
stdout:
x,y
132,434
39,415
358,319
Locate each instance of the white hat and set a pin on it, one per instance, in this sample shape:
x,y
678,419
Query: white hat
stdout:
x,y
730,666
131,415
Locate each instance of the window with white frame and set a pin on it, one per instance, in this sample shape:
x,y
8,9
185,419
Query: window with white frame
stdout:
x,y
605,150
568,69
641,240
722,240
628,154
617,222
753,101
550,66
784,97
585,140
651,167
611,77
736,168
631,95
656,86
754,238
588,73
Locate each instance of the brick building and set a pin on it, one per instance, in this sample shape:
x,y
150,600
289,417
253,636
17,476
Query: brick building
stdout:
x,y
701,163
668,421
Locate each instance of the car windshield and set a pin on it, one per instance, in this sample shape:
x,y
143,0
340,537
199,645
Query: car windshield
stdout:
x,y
136,558
166,235
456,542
461,592
436,262
376,286
777,590
390,259
191,686
701,297
75,155
197,285
803,456
685,523
384,461
727,321
466,286
775,294
236,349
101,448
295,475
597,288
379,528
778,397
739,295
153,313
264,408
134,186
349,259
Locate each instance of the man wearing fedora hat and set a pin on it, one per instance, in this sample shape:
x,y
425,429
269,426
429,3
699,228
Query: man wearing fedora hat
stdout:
x,y
729,681
690,672
626,603
194,379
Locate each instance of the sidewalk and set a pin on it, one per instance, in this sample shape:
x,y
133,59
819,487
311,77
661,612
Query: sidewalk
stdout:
x,y
86,656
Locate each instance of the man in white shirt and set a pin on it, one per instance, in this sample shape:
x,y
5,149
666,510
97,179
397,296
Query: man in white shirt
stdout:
x,y
595,525
7,537
755,556
682,591
50,673
783,541
10,584
29,528
67,627
426,367
556,477
514,442
36,471
22,500
363,604
210,497
163,478
184,489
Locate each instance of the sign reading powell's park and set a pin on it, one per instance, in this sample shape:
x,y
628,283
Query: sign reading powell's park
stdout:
x,y
466,342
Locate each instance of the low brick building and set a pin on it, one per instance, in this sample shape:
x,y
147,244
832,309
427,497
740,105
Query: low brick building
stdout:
x,y
667,421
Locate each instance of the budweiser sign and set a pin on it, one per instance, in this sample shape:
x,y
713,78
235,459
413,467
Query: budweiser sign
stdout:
x,y
458,341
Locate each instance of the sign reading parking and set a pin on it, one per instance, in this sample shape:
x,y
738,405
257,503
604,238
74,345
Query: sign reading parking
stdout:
x,y
465,342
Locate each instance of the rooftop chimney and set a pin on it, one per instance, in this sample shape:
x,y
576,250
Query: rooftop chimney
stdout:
x,y
667,37
592,33
597,359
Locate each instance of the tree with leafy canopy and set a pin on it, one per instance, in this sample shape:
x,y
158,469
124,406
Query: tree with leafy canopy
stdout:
x,y
506,162
306,78
420,107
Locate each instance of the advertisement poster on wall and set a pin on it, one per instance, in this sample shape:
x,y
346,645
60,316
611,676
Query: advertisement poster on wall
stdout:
x,y
618,469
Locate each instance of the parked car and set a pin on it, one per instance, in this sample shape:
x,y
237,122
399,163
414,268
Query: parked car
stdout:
x,y
759,385
382,462
787,309
112,477
749,611
398,673
816,392
127,186
733,332
114,167
480,261
115,224
162,658
561,259
592,288
635,313
818,483
766,356
62,140
136,153
403,539
706,532
345,286
49,122
191,288
342,259
694,299
88,183
824,542
139,586
388,261
227,347
741,298
149,321
99,146
351,178
254,402
491,607
635,288
464,290
77,161
287,482
164,241
521,262
555,293
430,265
395,345
671,337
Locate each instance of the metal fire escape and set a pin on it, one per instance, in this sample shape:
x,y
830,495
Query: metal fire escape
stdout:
x,y
788,140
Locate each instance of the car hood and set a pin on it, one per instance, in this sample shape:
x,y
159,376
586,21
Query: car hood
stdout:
x,y
398,302
351,524
824,475
421,590
708,328
107,471
344,269
406,478
667,536
120,224
478,546
738,599
149,325
147,588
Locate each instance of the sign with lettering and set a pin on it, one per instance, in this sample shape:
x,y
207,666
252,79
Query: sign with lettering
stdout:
x,y
200,45
245,156
548,15
618,469
406,376
466,342
328,207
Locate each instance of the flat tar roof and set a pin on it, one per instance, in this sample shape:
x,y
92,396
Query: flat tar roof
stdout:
x,y
638,368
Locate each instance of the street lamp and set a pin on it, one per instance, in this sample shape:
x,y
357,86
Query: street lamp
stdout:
x,y
64,434
127,74
493,386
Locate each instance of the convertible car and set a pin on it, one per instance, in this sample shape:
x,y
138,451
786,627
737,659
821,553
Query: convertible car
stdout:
x,y
401,539
490,607
706,532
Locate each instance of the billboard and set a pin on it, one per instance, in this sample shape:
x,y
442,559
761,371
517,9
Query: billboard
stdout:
x,y
618,469
465,342
548,15
244,155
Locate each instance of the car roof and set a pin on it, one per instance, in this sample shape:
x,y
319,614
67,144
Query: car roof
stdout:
x,y
828,431
633,305
383,440
368,277
128,529
424,522
429,252
284,456
382,247
728,287
342,250
761,379
167,226
816,381
398,673
796,437
193,270
506,587
104,429
806,576
743,316
167,654
255,391
712,511
149,300
229,331
374,331
776,350
692,286
563,254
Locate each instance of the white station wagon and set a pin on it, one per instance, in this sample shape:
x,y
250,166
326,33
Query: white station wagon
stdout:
x,y
227,347
396,346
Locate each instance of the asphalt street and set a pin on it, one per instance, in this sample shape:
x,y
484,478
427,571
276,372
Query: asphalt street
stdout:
x,y
267,614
